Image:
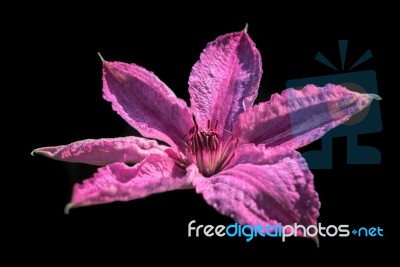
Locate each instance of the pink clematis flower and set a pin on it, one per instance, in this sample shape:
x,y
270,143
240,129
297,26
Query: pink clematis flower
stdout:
x,y
240,157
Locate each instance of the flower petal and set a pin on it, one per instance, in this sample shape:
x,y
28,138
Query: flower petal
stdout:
x,y
298,117
277,189
224,82
146,103
119,182
258,155
104,151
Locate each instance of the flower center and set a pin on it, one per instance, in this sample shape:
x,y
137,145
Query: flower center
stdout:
x,y
206,149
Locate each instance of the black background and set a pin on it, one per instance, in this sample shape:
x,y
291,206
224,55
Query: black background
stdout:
x,y
65,105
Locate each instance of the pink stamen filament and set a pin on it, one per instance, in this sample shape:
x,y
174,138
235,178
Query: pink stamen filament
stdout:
x,y
206,149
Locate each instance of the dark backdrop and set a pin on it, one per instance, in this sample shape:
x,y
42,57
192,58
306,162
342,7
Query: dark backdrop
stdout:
x,y
65,105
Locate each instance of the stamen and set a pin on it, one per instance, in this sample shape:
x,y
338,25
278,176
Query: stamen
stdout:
x,y
206,149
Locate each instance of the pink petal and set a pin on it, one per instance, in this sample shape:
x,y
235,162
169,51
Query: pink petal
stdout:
x,y
258,155
224,82
146,103
104,151
278,188
298,117
119,182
